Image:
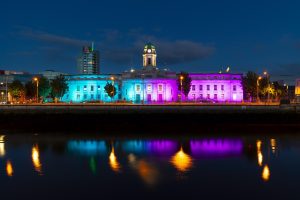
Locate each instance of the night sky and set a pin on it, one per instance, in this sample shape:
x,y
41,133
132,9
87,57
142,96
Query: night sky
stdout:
x,y
194,36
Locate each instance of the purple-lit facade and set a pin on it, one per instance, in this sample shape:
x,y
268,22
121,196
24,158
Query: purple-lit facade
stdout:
x,y
151,85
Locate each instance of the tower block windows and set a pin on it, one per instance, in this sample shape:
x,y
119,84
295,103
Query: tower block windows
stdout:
x,y
149,56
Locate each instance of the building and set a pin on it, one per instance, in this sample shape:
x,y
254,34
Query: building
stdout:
x,y
297,90
51,74
152,85
88,61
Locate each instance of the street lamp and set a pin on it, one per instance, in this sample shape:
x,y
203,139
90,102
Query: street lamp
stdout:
x,y
113,82
37,88
268,76
181,79
257,84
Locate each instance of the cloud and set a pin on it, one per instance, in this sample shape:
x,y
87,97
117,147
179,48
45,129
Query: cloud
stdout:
x,y
120,48
52,38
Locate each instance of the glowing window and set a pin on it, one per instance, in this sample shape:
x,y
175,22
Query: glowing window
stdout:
x,y
138,88
160,89
234,97
149,87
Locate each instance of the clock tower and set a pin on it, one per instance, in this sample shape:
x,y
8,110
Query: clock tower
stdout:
x,y
149,56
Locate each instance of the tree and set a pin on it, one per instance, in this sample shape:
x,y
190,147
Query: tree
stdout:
x,y
186,83
44,87
250,85
110,89
59,87
16,90
30,90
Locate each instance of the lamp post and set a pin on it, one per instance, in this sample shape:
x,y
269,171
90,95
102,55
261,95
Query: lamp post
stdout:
x,y
181,79
6,90
113,83
37,88
2,94
267,75
257,88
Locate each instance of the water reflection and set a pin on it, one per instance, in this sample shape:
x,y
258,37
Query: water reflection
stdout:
x,y
266,173
160,147
273,145
35,155
90,147
259,153
147,171
2,146
182,161
9,168
113,162
216,147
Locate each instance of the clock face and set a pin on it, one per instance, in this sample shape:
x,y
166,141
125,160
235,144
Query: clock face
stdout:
x,y
149,51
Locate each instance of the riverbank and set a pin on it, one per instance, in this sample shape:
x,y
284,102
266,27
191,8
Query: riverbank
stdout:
x,y
159,119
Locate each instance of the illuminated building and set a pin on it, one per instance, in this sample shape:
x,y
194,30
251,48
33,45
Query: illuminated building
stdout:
x,y
88,61
297,90
152,85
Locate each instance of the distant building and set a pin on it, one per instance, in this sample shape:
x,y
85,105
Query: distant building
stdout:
x,y
51,74
297,90
88,61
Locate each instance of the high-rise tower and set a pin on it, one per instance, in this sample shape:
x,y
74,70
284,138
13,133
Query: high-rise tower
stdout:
x,y
88,61
149,56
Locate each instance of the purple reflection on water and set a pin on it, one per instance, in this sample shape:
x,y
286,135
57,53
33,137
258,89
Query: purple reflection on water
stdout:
x,y
216,147
162,147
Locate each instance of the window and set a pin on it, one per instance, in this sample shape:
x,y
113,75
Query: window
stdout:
x,y
222,87
149,87
149,61
222,96
84,88
99,88
234,88
160,88
126,91
138,88
208,96
92,96
78,88
201,96
200,87
208,87
215,96
92,88
99,96
215,87
85,96
78,96
193,87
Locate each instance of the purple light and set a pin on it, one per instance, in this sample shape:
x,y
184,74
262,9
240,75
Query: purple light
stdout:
x,y
216,147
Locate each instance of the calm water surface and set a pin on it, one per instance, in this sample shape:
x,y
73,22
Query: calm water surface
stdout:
x,y
206,167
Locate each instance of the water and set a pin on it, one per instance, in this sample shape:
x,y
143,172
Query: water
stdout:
x,y
65,166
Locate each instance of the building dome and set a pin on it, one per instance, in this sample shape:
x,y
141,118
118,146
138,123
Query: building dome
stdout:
x,y
149,48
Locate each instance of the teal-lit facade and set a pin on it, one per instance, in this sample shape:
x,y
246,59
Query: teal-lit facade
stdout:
x,y
87,88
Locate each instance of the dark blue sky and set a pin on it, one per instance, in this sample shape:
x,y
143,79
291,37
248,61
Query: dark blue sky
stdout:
x,y
195,36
